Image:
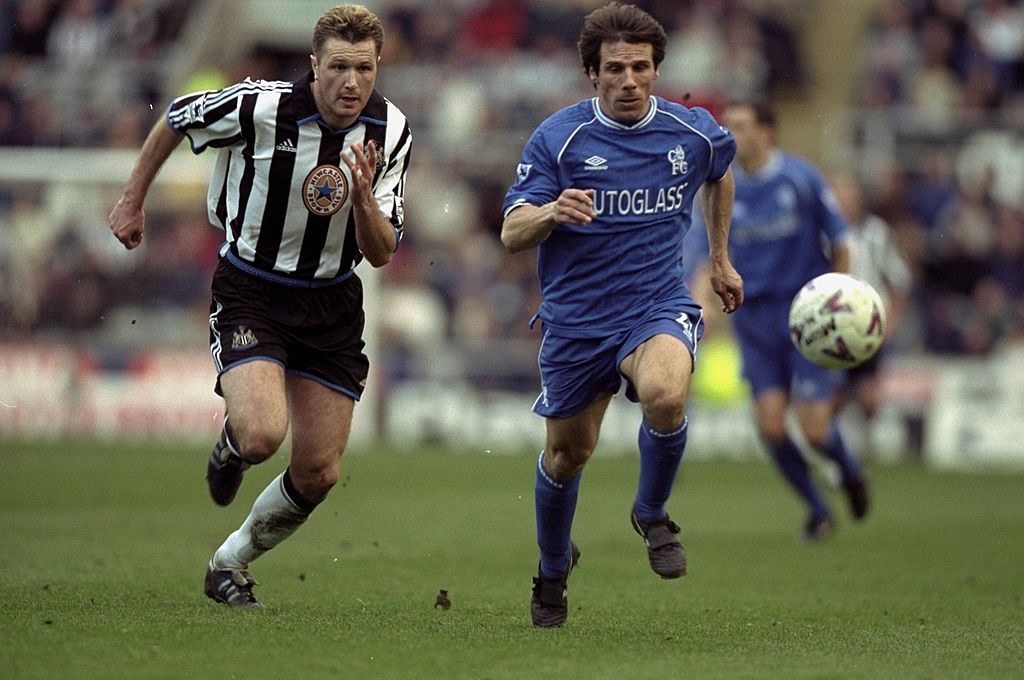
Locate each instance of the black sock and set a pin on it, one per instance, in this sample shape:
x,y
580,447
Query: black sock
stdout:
x,y
295,496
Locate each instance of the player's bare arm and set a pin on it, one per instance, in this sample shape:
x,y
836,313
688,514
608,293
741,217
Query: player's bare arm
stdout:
x,y
374,232
528,225
716,202
127,220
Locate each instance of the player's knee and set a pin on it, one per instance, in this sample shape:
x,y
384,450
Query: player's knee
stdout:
x,y
665,408
773,433
259,442
817,434
563,463
817,427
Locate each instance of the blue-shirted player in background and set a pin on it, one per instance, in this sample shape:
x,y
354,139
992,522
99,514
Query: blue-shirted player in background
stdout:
x,y
787,229
604,189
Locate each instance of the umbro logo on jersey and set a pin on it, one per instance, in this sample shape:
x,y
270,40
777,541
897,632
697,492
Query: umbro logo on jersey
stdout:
x,y
596,163
286,145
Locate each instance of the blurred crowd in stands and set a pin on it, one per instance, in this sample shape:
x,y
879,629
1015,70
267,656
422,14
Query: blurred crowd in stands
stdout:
x,y
938,113
99,60
943,95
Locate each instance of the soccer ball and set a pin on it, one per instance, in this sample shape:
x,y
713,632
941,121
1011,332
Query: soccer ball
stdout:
x,y
837,321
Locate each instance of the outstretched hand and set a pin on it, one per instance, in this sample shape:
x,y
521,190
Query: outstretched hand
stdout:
x,y
361,166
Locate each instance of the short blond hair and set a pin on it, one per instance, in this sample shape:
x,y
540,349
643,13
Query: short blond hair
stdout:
x,y
351,23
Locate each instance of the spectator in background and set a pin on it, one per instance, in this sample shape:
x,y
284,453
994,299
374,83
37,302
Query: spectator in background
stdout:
x,y
721,51
932,189
79,36
890,52
999,28
11,131
133,29
1006,266
695,57
496,27
781,45
30,27
945,59
934,89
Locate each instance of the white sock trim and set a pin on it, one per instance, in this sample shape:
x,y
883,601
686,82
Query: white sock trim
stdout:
x,y
545,475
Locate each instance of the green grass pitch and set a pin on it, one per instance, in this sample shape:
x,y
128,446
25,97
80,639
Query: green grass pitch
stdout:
x,y
103,551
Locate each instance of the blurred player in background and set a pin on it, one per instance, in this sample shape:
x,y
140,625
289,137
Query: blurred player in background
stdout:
x,y
309,181
786,229
877,260
604,190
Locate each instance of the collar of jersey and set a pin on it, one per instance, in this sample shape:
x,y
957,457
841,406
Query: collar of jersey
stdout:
x,y
770,169
612,123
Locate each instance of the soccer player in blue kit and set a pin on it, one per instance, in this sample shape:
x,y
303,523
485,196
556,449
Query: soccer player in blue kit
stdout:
x,y
604,190
787,229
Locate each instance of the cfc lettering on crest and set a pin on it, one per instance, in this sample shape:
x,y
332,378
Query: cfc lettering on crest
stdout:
x,y
677,157
325,190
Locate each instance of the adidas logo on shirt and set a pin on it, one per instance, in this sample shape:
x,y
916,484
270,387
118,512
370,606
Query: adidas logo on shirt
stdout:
x,y
286,145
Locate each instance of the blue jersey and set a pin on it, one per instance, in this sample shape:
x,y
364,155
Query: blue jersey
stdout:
x,y
600,278
785,225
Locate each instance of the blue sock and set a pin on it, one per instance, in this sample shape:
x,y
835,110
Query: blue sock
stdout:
x,y
556,504
794,468
660,456
835,449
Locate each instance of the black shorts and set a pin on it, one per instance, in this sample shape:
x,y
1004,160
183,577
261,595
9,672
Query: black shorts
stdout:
x,y
316,333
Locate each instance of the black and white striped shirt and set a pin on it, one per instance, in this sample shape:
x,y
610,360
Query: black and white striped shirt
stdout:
x,y
279,189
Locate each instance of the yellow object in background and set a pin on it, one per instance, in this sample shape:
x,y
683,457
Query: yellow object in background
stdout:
x,y
717,380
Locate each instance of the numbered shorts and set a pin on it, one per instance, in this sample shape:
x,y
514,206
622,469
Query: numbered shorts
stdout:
x,y
315,333
574,371
772,361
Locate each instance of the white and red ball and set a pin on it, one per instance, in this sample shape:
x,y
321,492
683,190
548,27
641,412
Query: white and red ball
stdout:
x,y
837,321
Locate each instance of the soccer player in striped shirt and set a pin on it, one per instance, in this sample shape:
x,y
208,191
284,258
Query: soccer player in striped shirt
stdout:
x,y
309,181
604,191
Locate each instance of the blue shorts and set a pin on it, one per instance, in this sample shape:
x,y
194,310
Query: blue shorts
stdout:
x,y
574,371
772,361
